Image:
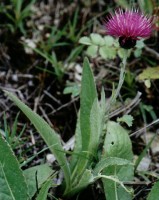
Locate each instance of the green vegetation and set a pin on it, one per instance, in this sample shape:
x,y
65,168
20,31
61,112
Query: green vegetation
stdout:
x,y
77,111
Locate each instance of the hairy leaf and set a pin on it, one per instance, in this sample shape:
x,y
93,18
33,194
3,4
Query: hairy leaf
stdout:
x,y
110,161
47,133
36,176
88,95
12,181
88,108
117,144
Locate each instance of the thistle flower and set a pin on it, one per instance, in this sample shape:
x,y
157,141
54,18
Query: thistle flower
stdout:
x,y
129,26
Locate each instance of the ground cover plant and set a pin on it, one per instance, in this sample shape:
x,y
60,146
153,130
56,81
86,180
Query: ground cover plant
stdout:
x,y
85,74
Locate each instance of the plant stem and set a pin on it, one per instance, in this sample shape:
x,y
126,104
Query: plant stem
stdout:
x,y
116,93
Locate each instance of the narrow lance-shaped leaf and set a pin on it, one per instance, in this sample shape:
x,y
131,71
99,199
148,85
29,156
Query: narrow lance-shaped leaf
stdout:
x,y
87,97
103,113
95,127
88,102
47,133
12,181
77,146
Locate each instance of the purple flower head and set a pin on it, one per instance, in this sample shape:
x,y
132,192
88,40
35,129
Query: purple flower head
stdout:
x,y
129,26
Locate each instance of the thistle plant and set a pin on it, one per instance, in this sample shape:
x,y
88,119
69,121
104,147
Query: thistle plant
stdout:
x,y
129,26
98,153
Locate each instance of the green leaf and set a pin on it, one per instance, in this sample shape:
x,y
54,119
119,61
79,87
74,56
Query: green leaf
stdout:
x,y
107,52
116,181
137,53
12,181
77,146
117,144
102,120
74,90
92,51
97,39
128,119
85,40
95,128
110,161
121,52
149,73
102,111
109,40
154,194
140,44
48,134
88,96
86,179
36,176
44,190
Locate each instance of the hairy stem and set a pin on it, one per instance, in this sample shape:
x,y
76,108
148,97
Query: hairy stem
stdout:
x,y
116,93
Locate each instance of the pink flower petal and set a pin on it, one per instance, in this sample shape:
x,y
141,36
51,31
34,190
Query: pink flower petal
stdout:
x,y
130,23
